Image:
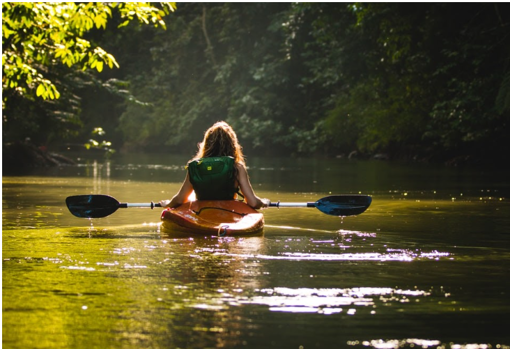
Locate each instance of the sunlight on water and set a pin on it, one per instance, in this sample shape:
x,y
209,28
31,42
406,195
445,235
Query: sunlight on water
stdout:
x,y
330,301
420,343
344,240
393,255
324,301
288,227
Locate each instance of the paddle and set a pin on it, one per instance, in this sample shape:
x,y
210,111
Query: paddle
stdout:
x,y
335,205
98,206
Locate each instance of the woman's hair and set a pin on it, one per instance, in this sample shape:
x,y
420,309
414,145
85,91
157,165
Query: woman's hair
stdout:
x,y
220,140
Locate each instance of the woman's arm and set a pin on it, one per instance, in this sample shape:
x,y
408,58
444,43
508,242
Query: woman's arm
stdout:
x,y
181,197
247,190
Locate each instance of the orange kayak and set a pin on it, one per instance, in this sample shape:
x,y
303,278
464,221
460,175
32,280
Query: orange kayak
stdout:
x,y
218,217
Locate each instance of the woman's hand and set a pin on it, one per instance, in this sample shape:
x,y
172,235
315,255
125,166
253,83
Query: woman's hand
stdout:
x,y
164,203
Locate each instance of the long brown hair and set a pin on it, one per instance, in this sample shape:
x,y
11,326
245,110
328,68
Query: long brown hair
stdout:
x,y
220,140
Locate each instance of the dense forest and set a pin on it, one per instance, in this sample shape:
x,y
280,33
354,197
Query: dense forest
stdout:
x,y
416,81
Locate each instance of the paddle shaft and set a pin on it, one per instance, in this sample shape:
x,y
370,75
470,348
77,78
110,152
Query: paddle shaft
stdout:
x,y
292,204
141,204
272,204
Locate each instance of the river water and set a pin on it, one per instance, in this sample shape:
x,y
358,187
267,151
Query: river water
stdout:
x,y
426,266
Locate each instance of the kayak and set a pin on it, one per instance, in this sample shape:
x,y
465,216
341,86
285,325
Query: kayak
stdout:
x,y
213,217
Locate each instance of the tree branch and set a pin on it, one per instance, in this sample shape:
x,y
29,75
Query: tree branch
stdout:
x,y
209,49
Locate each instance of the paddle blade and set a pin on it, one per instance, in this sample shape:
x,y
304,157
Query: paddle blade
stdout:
x,y
344,205
92,206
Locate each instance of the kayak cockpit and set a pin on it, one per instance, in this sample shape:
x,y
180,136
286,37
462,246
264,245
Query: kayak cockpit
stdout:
x,y
213,217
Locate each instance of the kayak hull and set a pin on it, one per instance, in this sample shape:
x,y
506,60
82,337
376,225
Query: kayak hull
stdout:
x,y
212,217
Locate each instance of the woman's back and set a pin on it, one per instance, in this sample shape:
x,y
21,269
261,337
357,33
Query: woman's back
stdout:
x,y
220,142
213,178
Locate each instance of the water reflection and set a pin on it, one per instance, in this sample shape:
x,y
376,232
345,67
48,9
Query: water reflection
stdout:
x,y
425,267
98,171
392,255
330,300
419,343
148,291
334,249
208,284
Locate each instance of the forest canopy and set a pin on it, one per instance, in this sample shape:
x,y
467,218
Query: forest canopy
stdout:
x,y
411,80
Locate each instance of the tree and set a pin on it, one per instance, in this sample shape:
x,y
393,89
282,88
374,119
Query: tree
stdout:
x,y
223,63
45,46
432,81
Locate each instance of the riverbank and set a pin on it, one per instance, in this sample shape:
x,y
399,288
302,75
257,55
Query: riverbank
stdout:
x,y
26,155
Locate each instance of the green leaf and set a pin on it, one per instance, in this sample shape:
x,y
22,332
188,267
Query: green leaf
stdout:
x,y
40,90
99,66
55,91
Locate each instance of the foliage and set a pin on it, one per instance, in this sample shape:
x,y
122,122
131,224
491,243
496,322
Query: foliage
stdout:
x,y
314,78
41,39
431,77
42,33
407,79
214,63
104,145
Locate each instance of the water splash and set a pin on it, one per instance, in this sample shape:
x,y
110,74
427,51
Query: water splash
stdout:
x,y
91,228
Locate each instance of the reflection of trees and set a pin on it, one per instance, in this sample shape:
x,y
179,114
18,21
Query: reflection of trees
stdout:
x,y
208,283
97,175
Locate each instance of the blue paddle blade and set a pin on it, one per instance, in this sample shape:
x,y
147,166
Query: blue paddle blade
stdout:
x,y
344,205
92,206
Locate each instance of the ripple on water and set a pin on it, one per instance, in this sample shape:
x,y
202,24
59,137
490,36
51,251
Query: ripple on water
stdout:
x,y
330,300
419,343
391,255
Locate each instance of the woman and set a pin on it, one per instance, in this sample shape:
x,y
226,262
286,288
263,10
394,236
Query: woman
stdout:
x,y
217,171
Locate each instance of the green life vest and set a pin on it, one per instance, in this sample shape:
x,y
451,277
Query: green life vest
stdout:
x,y
213,178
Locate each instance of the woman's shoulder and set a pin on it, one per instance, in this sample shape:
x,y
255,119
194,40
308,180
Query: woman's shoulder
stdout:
x,y
240,166
242,172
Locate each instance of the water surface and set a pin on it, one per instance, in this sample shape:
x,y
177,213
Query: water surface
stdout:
x,y
427,266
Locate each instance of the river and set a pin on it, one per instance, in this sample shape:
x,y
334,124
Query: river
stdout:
x,y
426,266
